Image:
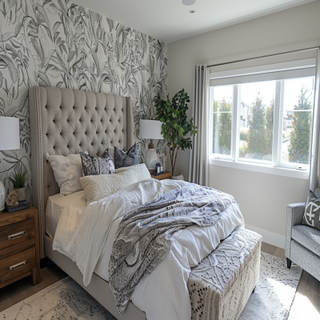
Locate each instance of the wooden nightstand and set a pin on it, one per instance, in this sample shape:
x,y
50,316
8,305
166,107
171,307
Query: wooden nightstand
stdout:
x,y
19,246
165,175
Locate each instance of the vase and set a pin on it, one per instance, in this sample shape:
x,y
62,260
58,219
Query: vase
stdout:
x,y
21,193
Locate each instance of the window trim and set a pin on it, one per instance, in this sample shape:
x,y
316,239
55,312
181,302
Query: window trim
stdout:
x,y
300,69
262,168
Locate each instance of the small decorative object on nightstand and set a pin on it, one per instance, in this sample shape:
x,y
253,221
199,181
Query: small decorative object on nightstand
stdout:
x,y
19,246
165,175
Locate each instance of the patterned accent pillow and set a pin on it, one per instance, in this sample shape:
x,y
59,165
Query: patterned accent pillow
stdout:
x,y
94,165
123,159
311,215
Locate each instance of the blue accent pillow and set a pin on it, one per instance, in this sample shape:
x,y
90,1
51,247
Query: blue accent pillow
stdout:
x,y
95,165
126,159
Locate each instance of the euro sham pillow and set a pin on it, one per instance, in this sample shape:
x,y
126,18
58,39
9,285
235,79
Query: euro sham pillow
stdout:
x,y
140,170
97,165
67,171
311,215
100,186
126,159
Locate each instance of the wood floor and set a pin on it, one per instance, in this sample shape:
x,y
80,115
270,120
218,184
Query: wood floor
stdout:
x,y
306,305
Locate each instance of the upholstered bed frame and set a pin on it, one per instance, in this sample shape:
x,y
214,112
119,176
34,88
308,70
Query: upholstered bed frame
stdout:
x,y
65,121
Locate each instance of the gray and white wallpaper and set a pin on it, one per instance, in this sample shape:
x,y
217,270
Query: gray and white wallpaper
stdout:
x,y
58,43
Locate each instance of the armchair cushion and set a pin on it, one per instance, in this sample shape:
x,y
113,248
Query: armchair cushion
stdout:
x,y
311,215
307,237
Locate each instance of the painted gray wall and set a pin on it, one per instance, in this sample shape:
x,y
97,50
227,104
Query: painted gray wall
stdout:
x,y
58,43
287,30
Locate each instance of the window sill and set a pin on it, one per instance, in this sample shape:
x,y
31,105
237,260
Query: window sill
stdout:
x,y
291,173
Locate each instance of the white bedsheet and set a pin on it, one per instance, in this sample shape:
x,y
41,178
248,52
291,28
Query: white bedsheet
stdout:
x,y
55,205
86,237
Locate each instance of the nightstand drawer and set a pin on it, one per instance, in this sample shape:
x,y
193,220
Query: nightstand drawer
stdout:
x,y
16,233
18,264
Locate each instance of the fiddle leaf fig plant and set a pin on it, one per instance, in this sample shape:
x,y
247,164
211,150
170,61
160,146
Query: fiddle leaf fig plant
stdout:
x,y
176,129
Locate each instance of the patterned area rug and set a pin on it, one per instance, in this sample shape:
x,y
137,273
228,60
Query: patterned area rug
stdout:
x,y
65,299
275,290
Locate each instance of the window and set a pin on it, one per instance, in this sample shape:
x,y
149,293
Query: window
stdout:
x,y
265,117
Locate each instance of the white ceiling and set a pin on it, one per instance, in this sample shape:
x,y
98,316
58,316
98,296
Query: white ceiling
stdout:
x,y
170,20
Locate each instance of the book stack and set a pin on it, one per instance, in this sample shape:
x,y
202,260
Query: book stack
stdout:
x,y
17,207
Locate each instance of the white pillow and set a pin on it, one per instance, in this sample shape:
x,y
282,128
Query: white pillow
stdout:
x,y
104,185
67,172
140,170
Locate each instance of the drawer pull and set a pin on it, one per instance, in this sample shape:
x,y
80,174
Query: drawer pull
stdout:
x,y
16,235
18,265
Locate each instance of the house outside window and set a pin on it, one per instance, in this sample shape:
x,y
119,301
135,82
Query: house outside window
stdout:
x,y
263,118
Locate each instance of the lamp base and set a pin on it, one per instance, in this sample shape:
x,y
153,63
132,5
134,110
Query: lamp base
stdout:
x,y
2,197
151,159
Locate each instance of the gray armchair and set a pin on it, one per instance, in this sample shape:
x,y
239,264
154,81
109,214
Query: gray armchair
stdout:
x,y
302,242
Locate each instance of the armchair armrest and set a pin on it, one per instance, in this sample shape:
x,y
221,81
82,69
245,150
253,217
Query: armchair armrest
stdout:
x,y
295,213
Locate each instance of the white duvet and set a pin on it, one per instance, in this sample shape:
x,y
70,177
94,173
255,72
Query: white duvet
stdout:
x,y
86,236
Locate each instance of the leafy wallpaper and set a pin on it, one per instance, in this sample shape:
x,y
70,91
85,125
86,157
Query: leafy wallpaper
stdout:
x,y
58,43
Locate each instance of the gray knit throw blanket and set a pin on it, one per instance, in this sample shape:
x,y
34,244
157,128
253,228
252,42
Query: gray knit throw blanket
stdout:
x,y
144,235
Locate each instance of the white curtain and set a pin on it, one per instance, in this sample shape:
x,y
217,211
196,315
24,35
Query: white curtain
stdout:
x,y
199,156
314,180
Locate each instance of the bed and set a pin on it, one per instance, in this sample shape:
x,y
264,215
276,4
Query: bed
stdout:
x,y
65,121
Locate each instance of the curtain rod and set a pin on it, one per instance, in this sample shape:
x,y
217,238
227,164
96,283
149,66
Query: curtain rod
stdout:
x,y
262,57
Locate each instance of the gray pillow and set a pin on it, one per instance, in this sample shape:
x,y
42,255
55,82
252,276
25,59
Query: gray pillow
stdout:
x,y
311,215
95,165
126,159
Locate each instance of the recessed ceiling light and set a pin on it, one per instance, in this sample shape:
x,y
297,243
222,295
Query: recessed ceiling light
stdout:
x,y
192,11
188,2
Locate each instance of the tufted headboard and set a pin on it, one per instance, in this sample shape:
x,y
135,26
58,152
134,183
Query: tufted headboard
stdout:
x,y
66,121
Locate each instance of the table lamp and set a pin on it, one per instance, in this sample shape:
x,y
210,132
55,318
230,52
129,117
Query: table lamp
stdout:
x,y
9,140
150,129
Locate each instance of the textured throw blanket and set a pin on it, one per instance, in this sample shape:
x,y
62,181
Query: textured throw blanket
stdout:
x,y
144,235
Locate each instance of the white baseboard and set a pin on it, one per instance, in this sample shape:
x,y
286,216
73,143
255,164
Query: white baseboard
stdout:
x,y
269,237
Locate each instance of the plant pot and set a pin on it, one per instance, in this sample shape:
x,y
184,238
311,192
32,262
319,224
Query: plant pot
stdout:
x,y
178,177
21,193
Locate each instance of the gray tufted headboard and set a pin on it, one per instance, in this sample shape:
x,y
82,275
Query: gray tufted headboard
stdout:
x,y
66,121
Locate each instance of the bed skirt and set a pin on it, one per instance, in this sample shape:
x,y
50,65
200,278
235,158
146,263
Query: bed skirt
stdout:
x,y
221,285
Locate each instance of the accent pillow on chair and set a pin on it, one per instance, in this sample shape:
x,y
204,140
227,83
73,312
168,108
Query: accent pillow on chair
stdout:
x,y
95,165
311,215
126,159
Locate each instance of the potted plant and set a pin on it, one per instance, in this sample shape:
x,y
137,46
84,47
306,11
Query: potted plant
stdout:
x,y
19,180
175,126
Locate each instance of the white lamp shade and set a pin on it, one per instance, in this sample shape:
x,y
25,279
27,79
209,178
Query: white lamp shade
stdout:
x,y
9,133
150,129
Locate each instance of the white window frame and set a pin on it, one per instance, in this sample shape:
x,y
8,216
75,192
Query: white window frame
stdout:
x,y
275,72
